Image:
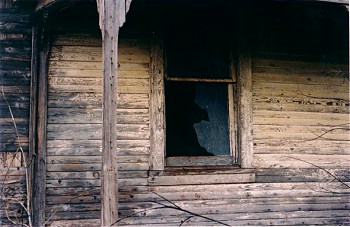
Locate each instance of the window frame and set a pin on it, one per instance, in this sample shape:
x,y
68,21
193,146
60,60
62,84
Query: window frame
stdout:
x,y
243,91
218,160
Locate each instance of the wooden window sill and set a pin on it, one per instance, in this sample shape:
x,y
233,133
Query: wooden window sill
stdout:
x,y
201,175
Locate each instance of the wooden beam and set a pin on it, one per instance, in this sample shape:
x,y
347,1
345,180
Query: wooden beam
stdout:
x,y
109,22
244,85
39,138
33,112
157,99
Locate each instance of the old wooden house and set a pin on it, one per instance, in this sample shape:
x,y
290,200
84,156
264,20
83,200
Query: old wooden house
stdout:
x,y
196,112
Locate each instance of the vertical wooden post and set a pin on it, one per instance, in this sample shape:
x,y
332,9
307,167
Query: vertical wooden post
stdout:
x,y
109,23
33,112
157,124
245,88
39,120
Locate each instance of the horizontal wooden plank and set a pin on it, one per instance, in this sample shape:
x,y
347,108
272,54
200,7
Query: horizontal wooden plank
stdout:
x,y
13,138
73,159
94,100
11,90
13,146
65,84
14,80
73,183
218,160
9,128
291,90
80,222
14,104
94,147
73,207
82,39
96,65
262,117
94,167
94,131
76,53
15,73
77,73
93,159
300,146
77,39
94,175
202,179
94,54
84,144
70,115
321,78
302,65
227,207
14,27
75,198
301,175
70,192
300,104
303,133
264,53
19,112
260,190
74,216
239,219
291,161
94,182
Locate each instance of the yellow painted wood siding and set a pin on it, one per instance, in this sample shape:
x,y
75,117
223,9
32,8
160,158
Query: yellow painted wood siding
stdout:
x,y
75,123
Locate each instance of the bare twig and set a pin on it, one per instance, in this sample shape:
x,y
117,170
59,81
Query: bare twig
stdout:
x,y
20,149
184,221
328,172
326,132
175,207
53,212
324,190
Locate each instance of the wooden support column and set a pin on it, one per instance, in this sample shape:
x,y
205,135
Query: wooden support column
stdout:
x,y
109,23
245,87
112,16
33,112
38,120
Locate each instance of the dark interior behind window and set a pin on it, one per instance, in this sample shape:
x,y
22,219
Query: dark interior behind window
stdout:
x,y
197,119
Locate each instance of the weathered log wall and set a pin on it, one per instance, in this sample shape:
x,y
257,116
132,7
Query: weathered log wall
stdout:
x,y
300,106
301,126
15,53
301,92
75,123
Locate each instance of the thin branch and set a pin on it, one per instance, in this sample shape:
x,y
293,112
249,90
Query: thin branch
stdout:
x,y
13,120
20,148
139,212
184,221
8,218
175,207
166,200
325,190
189,212
326,132
53,212
319,167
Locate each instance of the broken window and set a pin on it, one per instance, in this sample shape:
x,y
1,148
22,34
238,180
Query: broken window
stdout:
x,y
199,89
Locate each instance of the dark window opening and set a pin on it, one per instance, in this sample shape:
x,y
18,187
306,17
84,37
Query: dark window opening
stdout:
x,y
199,85
197,119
